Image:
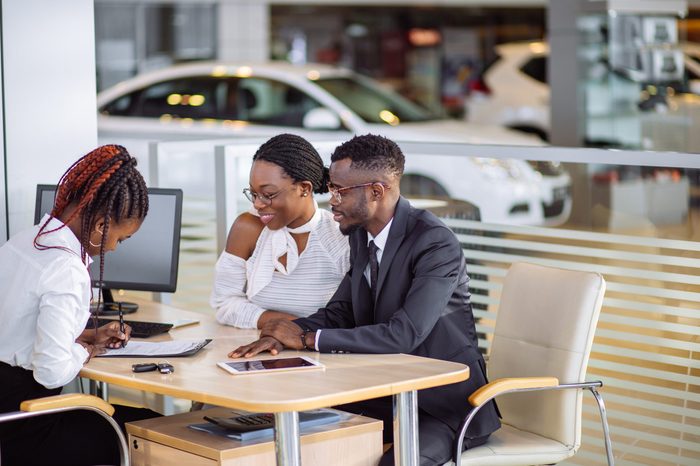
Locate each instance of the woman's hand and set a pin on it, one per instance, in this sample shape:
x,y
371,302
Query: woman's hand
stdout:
x,y
107,336
92,350
269,316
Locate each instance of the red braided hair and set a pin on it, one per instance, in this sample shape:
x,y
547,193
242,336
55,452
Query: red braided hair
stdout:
x,y
104,184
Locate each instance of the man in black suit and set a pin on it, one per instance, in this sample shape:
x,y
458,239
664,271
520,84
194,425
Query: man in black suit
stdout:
x,y
413,298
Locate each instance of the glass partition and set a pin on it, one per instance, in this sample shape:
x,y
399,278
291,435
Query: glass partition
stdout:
x,y
637,77
632,216
190,166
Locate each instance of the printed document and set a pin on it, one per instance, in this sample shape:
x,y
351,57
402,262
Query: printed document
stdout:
x,y
161,348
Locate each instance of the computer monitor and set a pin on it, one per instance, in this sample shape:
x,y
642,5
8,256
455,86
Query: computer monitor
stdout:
x,y
148,261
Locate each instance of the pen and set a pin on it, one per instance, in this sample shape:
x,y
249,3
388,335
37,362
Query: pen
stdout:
x,y
121,323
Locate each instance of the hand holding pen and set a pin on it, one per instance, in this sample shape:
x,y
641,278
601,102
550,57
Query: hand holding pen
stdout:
x,y
113,335
122,327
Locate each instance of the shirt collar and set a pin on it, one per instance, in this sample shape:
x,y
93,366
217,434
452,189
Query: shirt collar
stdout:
x,y
382,236
63,237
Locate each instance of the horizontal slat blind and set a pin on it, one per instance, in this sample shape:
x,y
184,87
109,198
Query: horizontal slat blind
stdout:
x,y
647,345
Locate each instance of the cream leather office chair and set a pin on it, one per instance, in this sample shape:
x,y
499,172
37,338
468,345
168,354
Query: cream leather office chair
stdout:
x,y
542,341
70,402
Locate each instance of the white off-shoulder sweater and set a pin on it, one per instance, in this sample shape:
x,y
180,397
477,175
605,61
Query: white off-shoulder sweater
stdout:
x,y
238,298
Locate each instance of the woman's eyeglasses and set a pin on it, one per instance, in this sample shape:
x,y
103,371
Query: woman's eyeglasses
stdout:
x,y
336,192
266,199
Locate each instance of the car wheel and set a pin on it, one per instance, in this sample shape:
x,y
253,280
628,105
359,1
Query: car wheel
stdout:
x,y
540,133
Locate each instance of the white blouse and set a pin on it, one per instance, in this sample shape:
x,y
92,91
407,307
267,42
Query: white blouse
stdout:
x,y
243,290
45,304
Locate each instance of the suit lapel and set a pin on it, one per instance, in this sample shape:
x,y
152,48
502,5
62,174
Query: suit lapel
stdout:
x,y
396,234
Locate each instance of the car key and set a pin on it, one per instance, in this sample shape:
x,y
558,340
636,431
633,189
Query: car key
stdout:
x,y
144,367
165,368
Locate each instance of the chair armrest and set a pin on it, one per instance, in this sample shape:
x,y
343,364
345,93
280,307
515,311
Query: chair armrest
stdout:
x,y
496,387
65,401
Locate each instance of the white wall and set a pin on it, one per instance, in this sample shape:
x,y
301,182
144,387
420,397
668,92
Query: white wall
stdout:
x,y
3,187
48,85
244,30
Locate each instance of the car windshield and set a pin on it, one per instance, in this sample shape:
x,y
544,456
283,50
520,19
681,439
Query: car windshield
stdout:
x,y
374,104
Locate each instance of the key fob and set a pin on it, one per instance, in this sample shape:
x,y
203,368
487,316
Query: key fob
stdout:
x,y
144,367
166,368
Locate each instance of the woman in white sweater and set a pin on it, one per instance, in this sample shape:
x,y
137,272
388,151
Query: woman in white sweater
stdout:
x,y
285,258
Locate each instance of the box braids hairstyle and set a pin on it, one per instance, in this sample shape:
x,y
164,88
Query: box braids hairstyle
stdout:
x,y
104,184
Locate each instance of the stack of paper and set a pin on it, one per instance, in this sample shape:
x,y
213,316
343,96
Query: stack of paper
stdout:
x,y
145,349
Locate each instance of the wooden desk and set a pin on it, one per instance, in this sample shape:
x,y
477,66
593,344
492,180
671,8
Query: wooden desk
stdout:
x,y
347,378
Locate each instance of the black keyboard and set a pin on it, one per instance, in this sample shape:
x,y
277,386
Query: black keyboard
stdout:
x,y
138,329
244,422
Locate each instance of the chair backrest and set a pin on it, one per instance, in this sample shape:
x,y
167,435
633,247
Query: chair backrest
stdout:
x,y
545,325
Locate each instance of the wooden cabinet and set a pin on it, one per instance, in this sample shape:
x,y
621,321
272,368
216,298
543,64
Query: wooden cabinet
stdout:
x,y
165,441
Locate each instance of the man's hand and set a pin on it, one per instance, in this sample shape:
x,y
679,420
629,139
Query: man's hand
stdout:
x,y
285,331
263,344
275,335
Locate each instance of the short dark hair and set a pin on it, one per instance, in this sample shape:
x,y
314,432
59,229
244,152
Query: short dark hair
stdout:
x,y
372,152
297,158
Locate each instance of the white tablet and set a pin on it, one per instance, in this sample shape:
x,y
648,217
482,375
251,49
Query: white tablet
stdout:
x,y
258,366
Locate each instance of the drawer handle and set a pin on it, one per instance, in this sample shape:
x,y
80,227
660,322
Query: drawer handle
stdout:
x,y
136,445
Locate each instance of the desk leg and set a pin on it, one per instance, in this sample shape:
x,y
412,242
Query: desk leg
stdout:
x,y
93,388
99,389
287,443
104,391
406,452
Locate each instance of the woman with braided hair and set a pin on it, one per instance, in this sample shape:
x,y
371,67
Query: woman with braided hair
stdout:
x,y
46,291
285,258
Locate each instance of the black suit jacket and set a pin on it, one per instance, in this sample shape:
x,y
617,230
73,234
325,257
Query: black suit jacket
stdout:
x,y
422,307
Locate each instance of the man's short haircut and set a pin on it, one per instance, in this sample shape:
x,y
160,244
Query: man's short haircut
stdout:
x,y
372,152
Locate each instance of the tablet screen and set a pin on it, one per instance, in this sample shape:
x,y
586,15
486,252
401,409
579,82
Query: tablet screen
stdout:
x,y
267,364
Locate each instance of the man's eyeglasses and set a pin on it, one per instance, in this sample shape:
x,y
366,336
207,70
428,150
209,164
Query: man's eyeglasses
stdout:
x,y
336,192
266,199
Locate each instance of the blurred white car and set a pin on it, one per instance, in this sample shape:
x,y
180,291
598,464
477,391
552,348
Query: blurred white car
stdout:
x,y
513,91
220,99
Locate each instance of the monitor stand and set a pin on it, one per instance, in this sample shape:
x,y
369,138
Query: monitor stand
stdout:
x,y
110,307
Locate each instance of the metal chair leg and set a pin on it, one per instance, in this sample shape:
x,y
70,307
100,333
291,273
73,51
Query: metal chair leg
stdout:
x,y
606,429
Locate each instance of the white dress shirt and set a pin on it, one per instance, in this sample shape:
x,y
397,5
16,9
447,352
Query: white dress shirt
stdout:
x,y
44,304
380,243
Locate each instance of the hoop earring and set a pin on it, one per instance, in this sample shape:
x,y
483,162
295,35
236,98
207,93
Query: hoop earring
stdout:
x,y
96,245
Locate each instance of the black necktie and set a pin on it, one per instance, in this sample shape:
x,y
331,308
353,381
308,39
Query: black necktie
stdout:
x,y
373,269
